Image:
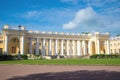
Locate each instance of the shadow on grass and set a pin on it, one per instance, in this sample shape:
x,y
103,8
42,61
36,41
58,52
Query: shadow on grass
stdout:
x,y
75,75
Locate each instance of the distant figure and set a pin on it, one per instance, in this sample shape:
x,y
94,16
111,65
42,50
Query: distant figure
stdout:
x,y
19,58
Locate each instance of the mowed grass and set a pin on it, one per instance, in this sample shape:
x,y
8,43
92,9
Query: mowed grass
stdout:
x,y
66,62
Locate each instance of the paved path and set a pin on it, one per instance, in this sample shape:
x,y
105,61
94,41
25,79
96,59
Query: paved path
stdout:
x,y
58,72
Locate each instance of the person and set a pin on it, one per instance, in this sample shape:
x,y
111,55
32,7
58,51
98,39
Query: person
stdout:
x,y
19,58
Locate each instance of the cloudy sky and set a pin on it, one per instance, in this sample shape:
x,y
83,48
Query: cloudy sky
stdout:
x,y
74,16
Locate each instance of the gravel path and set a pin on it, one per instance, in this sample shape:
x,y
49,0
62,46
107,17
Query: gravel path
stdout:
x,y
58,72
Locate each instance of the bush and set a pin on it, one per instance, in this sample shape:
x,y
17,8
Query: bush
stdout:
x,y
24,56
53,57
100,56
4,57
94,56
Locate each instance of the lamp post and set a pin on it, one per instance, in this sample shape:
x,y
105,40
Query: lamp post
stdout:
x,y
19,42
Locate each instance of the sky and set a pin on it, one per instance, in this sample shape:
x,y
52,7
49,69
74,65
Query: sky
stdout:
x,y
72,16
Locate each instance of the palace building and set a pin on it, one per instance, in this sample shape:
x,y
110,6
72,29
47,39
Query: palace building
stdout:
x,y
115,45
13,40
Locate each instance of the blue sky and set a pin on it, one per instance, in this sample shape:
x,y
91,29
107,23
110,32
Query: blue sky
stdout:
x,y
73,16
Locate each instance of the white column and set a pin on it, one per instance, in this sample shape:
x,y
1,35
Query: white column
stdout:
x,y
73,47
108,47
89,48
68,48
61,47
22,43
50,47
37,47
43,47
30,49
105,44
78,48
98,44
84,47
6,44
56,47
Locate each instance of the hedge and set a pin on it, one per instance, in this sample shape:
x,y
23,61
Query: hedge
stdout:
x,y
100,56
4,57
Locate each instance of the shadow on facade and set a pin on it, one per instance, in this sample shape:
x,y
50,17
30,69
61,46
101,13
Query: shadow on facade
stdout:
x,y
76,75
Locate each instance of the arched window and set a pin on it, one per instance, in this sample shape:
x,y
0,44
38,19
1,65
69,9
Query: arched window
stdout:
x,y
14,40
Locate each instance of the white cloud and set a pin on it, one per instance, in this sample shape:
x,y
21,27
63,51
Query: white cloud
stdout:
x,y
69,25
82,17
53,16
31,14
87,19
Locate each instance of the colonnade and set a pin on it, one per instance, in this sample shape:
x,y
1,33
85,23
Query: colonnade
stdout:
x,y
71,47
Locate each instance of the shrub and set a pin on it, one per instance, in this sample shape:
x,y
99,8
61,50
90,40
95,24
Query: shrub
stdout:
x,y
101,56
53,57
94,56
24,56
4,57
105,56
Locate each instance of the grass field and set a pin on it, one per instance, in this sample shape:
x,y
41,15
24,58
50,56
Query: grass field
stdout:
x,y
66,62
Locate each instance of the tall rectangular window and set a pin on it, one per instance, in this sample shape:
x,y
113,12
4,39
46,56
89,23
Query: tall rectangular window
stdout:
x,y
115,51
13,49
0,50
119,51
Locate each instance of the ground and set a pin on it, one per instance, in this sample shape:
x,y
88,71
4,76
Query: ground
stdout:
x,y
58,72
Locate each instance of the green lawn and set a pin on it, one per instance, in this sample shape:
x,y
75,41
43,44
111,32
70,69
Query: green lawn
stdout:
x,y
66,62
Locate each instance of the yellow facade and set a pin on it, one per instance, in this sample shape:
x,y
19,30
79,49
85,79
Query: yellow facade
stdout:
x,y
52,43
115,45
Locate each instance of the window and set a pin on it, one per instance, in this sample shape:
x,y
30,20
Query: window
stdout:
x,y
13,49
118,43
115,51
40,51
39,43
119,51
28,51
111,44
111,50
1,41
0,50
34,51
114,44
15,40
